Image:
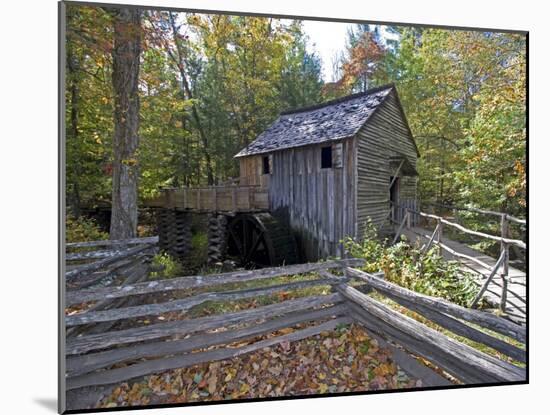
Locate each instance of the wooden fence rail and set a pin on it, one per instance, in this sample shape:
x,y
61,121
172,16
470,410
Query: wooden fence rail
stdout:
x,y
481,318
459,359
462,361
481,211
201,281
114,242
101,357
91,263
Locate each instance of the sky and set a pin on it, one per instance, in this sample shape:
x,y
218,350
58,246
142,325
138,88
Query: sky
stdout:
x,y
329,38
326,38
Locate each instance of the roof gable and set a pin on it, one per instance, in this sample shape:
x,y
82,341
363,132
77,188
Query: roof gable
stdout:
x,y
333,120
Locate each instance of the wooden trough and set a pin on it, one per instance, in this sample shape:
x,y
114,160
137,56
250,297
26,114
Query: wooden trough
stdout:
x,y
233,198
117,283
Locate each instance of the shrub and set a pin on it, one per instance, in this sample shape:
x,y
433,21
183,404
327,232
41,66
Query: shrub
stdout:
x,y
83,229
370,249
407,266
171,267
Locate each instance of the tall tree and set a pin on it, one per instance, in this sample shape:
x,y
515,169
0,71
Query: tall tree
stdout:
x,y
89,116
178,56
126,61
361,63
301,82
73,89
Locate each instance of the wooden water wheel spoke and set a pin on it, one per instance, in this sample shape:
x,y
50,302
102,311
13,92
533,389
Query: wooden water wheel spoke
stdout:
x,y
261,240
236,240
255,246
245,236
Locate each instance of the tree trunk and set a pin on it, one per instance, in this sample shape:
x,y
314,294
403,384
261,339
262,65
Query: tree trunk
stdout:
x,y
72,69
126,51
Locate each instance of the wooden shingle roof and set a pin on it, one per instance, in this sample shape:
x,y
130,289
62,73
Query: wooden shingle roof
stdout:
x,y
332,120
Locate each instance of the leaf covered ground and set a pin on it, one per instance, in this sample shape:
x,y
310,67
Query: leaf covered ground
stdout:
x,y
342,360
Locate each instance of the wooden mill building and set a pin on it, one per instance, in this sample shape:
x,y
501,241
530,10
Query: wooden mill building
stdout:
x,y
313,178
328,168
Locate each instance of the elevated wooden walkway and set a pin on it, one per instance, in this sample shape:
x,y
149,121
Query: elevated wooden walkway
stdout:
x,y
231,198
517,279
500,284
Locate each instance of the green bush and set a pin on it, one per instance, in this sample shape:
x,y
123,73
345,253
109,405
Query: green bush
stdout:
x,y
407,266
83,229
171,267
371,249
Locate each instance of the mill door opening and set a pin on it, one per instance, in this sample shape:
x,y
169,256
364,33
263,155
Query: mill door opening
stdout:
x,y
394,198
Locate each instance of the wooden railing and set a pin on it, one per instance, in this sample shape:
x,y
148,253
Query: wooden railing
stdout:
x,y
508,217
502,263
230,198
108,356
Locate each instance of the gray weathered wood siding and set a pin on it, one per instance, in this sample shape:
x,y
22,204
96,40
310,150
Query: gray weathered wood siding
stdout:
x,y
384,136
319,204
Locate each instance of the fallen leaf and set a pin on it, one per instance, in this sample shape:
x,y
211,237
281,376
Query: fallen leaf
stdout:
x,y
197,378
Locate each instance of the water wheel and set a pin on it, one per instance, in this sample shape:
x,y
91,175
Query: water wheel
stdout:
x,y
259,239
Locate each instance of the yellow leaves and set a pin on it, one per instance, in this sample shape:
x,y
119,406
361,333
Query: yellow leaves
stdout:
x,y
130,162
230,374
245,388
323,388
385,369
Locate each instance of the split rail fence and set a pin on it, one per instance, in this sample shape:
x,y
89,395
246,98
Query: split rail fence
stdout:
x,y
102,355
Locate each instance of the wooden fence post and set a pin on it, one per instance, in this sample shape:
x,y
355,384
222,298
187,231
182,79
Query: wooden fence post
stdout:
x,y
439,235
505,250
408,217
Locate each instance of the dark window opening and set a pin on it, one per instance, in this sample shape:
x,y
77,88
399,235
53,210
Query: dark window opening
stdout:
x,y
265,165
326,157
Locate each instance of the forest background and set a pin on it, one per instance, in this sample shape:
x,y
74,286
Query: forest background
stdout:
x,y
207,85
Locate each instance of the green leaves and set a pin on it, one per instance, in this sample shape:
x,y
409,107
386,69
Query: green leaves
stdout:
x,y
241,72
409,267
463,93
